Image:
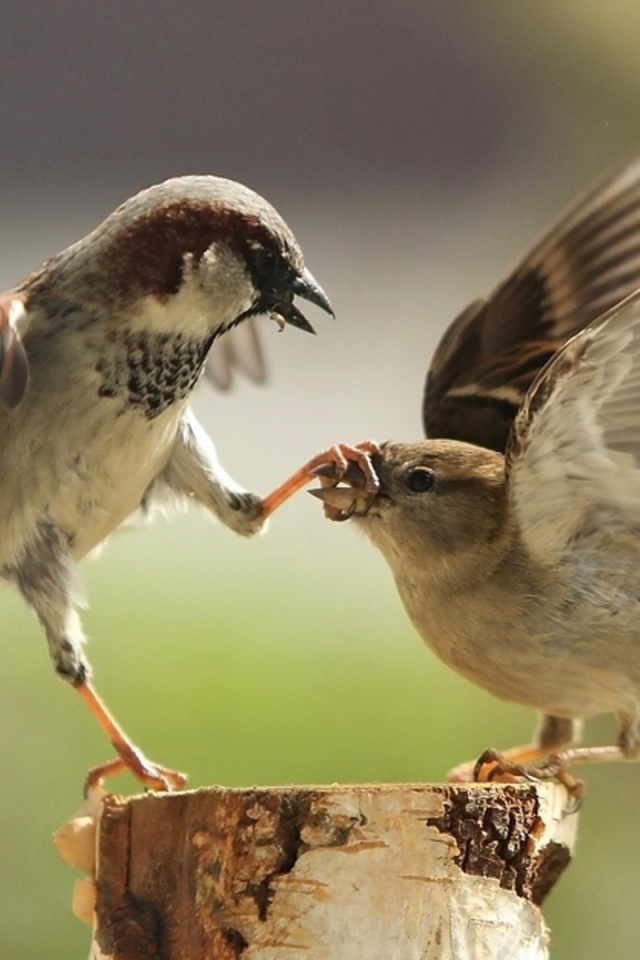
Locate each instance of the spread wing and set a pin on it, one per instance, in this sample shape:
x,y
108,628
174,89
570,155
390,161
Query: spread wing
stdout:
x,y
573,455
489,356
239,349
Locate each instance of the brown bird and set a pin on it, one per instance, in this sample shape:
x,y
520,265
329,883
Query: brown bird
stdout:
x,y
522,571
100,349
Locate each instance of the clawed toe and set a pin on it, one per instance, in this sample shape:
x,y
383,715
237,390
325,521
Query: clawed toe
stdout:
x,y
332,464
151,775
494,767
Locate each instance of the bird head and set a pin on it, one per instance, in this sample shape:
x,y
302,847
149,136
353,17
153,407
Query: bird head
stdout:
x,y
437,500
195,254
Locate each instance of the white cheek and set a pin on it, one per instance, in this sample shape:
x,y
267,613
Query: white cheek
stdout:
x,y
225,279
213,294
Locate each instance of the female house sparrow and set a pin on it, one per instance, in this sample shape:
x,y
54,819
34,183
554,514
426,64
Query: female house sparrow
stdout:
x,y
522,572
521,569
100,349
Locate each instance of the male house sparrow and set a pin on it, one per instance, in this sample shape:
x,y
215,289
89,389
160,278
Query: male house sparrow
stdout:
x,y
522,569
100,349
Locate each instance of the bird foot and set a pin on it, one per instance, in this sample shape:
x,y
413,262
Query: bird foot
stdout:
x,y
151,775
331,465
494,767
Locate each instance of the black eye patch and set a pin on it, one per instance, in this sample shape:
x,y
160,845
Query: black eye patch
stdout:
x,y
269,268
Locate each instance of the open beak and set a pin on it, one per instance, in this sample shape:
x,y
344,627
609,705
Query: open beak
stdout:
x,y
343,501
340,503
308,288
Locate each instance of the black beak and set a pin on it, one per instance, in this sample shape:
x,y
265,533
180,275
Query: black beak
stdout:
x,y
308,288
342,502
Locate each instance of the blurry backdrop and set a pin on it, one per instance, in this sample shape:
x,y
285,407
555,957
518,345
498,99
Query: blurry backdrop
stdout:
x,y
416,149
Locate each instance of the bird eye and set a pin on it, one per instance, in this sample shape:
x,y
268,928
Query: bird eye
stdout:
x,y
268,263
420,480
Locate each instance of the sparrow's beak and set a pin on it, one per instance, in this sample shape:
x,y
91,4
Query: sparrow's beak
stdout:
x,y
308,288
342,502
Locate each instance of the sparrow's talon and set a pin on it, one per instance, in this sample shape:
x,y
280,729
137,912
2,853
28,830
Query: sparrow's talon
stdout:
x,y
152,776
494,767
498,768
129,756
554,767
330,465
325,470
349,483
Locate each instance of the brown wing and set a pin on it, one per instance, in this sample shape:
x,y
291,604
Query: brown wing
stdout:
x,y
489,356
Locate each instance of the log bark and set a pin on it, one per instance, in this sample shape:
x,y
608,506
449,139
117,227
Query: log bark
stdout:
x,y
366,872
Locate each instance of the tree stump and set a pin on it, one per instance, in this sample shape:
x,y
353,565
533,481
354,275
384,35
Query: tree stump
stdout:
x,y
365,872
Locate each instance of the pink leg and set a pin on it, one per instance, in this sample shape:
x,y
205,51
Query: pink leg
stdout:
x,y
340,455
130,757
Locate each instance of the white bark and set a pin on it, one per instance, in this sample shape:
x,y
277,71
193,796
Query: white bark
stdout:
x,y
371,872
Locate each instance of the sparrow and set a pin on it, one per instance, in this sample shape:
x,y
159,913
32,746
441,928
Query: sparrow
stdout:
x,y
100,350
513,531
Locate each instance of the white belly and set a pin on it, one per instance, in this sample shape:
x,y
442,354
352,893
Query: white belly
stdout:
x,y
109,481
87,476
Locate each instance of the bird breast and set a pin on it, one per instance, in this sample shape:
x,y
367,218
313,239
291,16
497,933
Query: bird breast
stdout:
x,y
107,480
563,641
83,464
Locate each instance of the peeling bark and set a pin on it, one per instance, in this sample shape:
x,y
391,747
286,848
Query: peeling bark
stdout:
x,y
494,832
372,872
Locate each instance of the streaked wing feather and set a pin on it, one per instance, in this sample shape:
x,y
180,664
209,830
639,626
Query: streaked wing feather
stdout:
x,y
573,455
584,266
239,349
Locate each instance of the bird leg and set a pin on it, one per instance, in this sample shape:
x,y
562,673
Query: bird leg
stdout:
x,y
46,578
547,758
130,758
554,764
194,472
338,457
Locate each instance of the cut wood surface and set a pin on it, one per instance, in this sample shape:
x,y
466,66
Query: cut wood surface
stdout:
x,y
364,872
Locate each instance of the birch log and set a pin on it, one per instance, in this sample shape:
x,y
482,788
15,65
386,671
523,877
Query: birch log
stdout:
x,y
366,872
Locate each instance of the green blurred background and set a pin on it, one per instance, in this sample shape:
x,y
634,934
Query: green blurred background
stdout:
x,y
417,150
